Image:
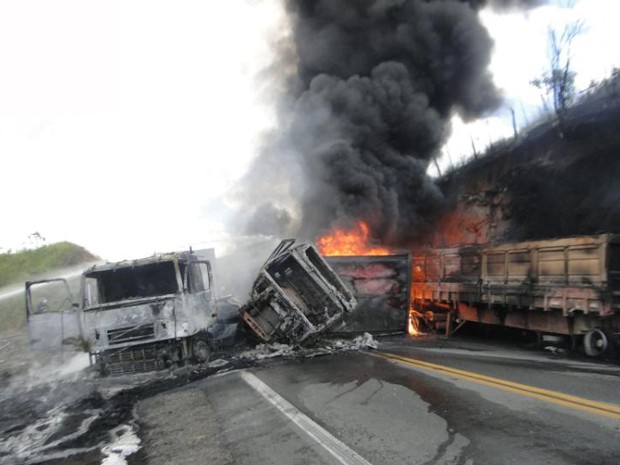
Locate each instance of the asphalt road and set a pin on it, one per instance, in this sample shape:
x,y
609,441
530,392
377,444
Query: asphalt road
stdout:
x,y
410,402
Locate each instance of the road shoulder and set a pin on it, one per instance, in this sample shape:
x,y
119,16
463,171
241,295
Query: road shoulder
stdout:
x,y
181,427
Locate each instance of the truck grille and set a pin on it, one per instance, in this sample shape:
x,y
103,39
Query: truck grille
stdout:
x,y
131,334
132,360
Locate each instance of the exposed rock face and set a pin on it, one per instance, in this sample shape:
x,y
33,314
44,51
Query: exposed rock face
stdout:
x,y
551,182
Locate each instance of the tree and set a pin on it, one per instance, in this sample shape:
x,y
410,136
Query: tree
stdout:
x,y
36,240
559,80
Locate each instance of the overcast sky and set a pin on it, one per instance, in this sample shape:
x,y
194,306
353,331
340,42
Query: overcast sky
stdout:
x,y
123,124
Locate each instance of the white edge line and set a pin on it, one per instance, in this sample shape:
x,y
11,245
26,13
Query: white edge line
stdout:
x,y
331,444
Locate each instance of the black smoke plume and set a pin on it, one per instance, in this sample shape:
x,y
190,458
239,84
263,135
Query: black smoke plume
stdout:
x,y
374,86
503,5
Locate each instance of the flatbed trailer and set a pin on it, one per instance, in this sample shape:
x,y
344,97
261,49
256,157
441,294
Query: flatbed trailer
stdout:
x,y
568,286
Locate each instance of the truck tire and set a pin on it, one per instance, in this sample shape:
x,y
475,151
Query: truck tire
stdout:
x,y
597,343
201,351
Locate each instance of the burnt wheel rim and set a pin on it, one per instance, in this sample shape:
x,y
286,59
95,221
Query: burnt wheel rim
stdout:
x,y
201,351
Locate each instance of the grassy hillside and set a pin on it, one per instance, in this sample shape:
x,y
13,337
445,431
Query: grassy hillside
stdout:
x,y
20,266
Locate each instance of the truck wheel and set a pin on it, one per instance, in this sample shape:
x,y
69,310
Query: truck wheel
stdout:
x,y
201,352
597,343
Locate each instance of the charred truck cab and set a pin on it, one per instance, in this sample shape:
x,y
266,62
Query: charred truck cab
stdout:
x,y
148,314
296,296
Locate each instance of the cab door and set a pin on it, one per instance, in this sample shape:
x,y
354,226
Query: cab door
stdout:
x,y
53,317
197,284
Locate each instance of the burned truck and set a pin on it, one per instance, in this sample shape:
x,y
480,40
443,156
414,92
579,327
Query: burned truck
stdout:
x,y
296,296
141,315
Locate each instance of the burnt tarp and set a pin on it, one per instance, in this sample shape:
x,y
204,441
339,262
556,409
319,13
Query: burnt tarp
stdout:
x,y
381,285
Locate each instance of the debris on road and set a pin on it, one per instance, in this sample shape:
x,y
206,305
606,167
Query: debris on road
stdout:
x,y
555,350
125,443
319,347
263,351
365,341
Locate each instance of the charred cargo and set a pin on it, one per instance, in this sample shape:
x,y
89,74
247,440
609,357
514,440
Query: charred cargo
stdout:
x,y
296,295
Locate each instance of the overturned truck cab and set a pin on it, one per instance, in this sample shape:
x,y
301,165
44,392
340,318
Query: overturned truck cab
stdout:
x,y
148,314
296,295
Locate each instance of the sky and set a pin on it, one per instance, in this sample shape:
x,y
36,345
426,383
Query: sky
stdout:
x,y
125,124
521,54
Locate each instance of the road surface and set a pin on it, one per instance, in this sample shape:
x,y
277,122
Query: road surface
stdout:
x,y
410,402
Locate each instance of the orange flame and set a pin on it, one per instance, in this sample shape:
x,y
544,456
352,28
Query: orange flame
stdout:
x,y
350,242
413,324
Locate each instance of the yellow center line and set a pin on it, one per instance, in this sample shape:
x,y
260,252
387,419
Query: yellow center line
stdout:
x,y
554,397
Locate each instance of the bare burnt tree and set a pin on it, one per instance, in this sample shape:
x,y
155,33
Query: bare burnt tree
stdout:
x,y
558,81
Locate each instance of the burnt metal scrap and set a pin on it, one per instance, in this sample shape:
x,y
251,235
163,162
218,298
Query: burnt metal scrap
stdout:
x,y
297,295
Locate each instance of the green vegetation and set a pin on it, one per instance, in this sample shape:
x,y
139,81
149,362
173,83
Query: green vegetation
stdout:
x,y
20,266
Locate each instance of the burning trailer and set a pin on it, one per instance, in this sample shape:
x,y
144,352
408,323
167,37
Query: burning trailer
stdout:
x,y
135,316
296,296
379,278
381,284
